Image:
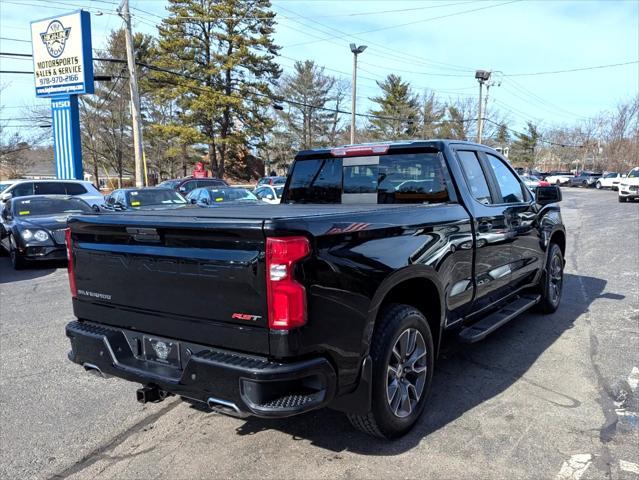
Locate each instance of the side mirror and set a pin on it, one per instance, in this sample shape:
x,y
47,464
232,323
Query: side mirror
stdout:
x,y
5,196
119,206
96,209
624,176
182,189
193,201
205,201
547,195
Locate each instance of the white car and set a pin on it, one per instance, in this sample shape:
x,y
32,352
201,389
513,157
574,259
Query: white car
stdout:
x,y
4,184
269,193
76,188
609,180
629,186
530,180
559,178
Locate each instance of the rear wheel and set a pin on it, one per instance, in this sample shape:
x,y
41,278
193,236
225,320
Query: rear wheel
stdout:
x,y
403,359
552,280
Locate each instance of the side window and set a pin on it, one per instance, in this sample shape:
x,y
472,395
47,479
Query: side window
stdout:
x,y
75,189
509,185
474,176
22,189
260,192
49,188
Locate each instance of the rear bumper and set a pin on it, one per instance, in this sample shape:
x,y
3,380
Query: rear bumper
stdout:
x,y
248,385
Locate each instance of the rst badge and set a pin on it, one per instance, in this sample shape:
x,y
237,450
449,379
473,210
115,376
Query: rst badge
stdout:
x,y
246,316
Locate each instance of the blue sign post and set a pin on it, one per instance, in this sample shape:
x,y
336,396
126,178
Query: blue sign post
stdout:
x,y
63,68
67,146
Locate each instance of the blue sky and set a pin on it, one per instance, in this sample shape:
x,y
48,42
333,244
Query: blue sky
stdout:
x,y
434,44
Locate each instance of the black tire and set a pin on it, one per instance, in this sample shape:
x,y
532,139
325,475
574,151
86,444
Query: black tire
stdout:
x,y
395,321
17,260
621,199
552,281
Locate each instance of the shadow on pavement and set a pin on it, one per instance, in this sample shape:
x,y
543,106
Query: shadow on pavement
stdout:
x,y
35,270
465,377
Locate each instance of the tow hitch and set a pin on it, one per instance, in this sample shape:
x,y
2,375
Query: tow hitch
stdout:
x,y
151,394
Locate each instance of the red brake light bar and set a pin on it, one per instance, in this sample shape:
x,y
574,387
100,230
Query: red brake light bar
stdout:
x,y
360,150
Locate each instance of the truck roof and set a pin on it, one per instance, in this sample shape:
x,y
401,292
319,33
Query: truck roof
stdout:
x,y
396,144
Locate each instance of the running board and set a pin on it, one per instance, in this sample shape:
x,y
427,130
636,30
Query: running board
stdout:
x,y
480,330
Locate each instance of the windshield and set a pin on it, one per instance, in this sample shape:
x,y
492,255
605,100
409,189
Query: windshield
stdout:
x,y
49,206
169,184
231,195
634,173
154,196
4,185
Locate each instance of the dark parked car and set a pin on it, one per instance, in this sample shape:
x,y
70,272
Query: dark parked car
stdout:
x,y
216,196
340,296
143,198
187,185
584,179
33,227
173,184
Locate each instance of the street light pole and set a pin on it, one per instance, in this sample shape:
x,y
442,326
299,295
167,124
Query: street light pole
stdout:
x,y
482,76
356,51
136,116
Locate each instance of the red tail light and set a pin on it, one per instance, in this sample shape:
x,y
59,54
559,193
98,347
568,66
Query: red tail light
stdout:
x,y
286,297
360,150
71,265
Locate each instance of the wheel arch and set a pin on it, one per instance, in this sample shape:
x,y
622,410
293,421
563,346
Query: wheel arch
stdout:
x,y
559,237
416,286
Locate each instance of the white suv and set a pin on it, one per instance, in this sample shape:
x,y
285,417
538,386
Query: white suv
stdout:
x,y
77,188
629,186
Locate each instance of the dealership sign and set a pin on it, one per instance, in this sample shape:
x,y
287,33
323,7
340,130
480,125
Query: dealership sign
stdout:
x,y
62,56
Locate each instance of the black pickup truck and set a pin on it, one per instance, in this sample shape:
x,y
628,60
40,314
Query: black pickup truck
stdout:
x,y
339,297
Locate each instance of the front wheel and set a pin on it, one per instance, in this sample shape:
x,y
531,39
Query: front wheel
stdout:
x,y
552,280
598,185
403,359
17,261
621,199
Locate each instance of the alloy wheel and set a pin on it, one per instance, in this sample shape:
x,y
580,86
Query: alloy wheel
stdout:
x,y
555,279
406,373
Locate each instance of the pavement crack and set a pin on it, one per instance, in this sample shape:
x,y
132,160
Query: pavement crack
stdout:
x,y
100,452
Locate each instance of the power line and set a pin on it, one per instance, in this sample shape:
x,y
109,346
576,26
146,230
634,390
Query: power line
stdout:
x,y
414,22
580,69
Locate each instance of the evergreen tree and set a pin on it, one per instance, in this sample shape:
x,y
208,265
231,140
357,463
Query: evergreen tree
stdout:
x,y
523,149
311,93
398,109
224,52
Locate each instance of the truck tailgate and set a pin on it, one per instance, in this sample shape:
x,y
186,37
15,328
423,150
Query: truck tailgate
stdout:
x,y
198,280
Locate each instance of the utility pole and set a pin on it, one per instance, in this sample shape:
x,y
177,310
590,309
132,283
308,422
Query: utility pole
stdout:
x,y
356,51
136,116
482,77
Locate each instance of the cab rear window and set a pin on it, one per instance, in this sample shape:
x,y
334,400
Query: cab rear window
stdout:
x,y
395,178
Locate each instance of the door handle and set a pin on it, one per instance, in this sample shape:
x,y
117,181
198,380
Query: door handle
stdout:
x,y
485,226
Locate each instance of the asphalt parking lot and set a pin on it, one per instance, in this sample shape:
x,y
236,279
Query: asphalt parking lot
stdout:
x,y
545,397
